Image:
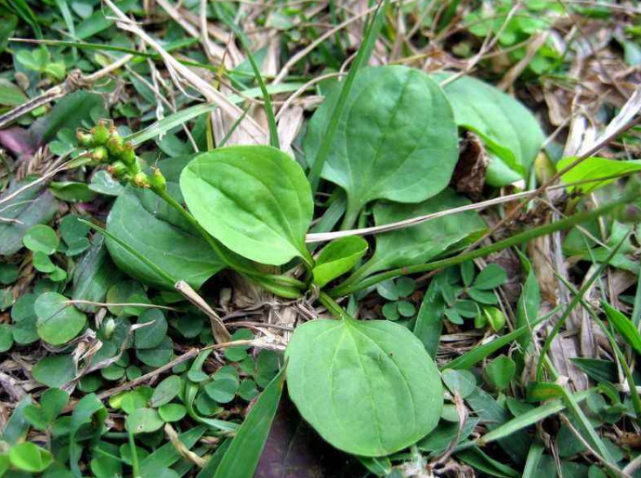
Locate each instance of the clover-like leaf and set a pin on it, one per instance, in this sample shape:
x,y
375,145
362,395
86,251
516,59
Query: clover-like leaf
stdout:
x,y
256,200
58,320
396,138
369,388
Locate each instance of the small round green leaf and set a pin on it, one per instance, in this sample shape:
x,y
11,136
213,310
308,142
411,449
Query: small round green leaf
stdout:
x,y
166,391
144,420
500,372
58,321
6,337
461,381
55,370
256,200
172,412
9,273
490,277
152,334
41,238
368,387
158,356
29,457
222,389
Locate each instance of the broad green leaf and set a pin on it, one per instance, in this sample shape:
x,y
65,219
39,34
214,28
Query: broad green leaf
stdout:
x,y
58,320
337,258
241,458
29,457
396,138
418,244
595,168
254,199
32,206
509,130
145,222
598,369
369,388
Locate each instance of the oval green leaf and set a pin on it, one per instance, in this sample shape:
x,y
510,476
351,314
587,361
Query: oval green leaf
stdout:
x,y
29,457
337,258
369,388
41,238
254,199
509,130
58,320
396,139
145,222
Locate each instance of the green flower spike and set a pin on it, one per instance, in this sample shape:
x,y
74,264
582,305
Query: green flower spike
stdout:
x,y
128,156
118,169
100,133
100,154
85,139
141,180
158,181
114,145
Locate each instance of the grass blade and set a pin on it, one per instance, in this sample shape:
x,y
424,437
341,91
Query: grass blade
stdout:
x,y
572,305
533,458
22,9
243,454
477,354
269,109
528,419
544,391
361,59
624,326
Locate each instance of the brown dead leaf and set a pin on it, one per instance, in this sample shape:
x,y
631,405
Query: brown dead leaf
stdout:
x,y
469,173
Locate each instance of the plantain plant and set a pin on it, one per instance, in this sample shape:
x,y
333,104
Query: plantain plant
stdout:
x,y
369,388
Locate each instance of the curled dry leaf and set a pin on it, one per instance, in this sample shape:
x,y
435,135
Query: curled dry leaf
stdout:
x,y
469,173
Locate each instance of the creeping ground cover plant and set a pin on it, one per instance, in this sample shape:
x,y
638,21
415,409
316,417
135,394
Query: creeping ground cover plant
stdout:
x,y
370,281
